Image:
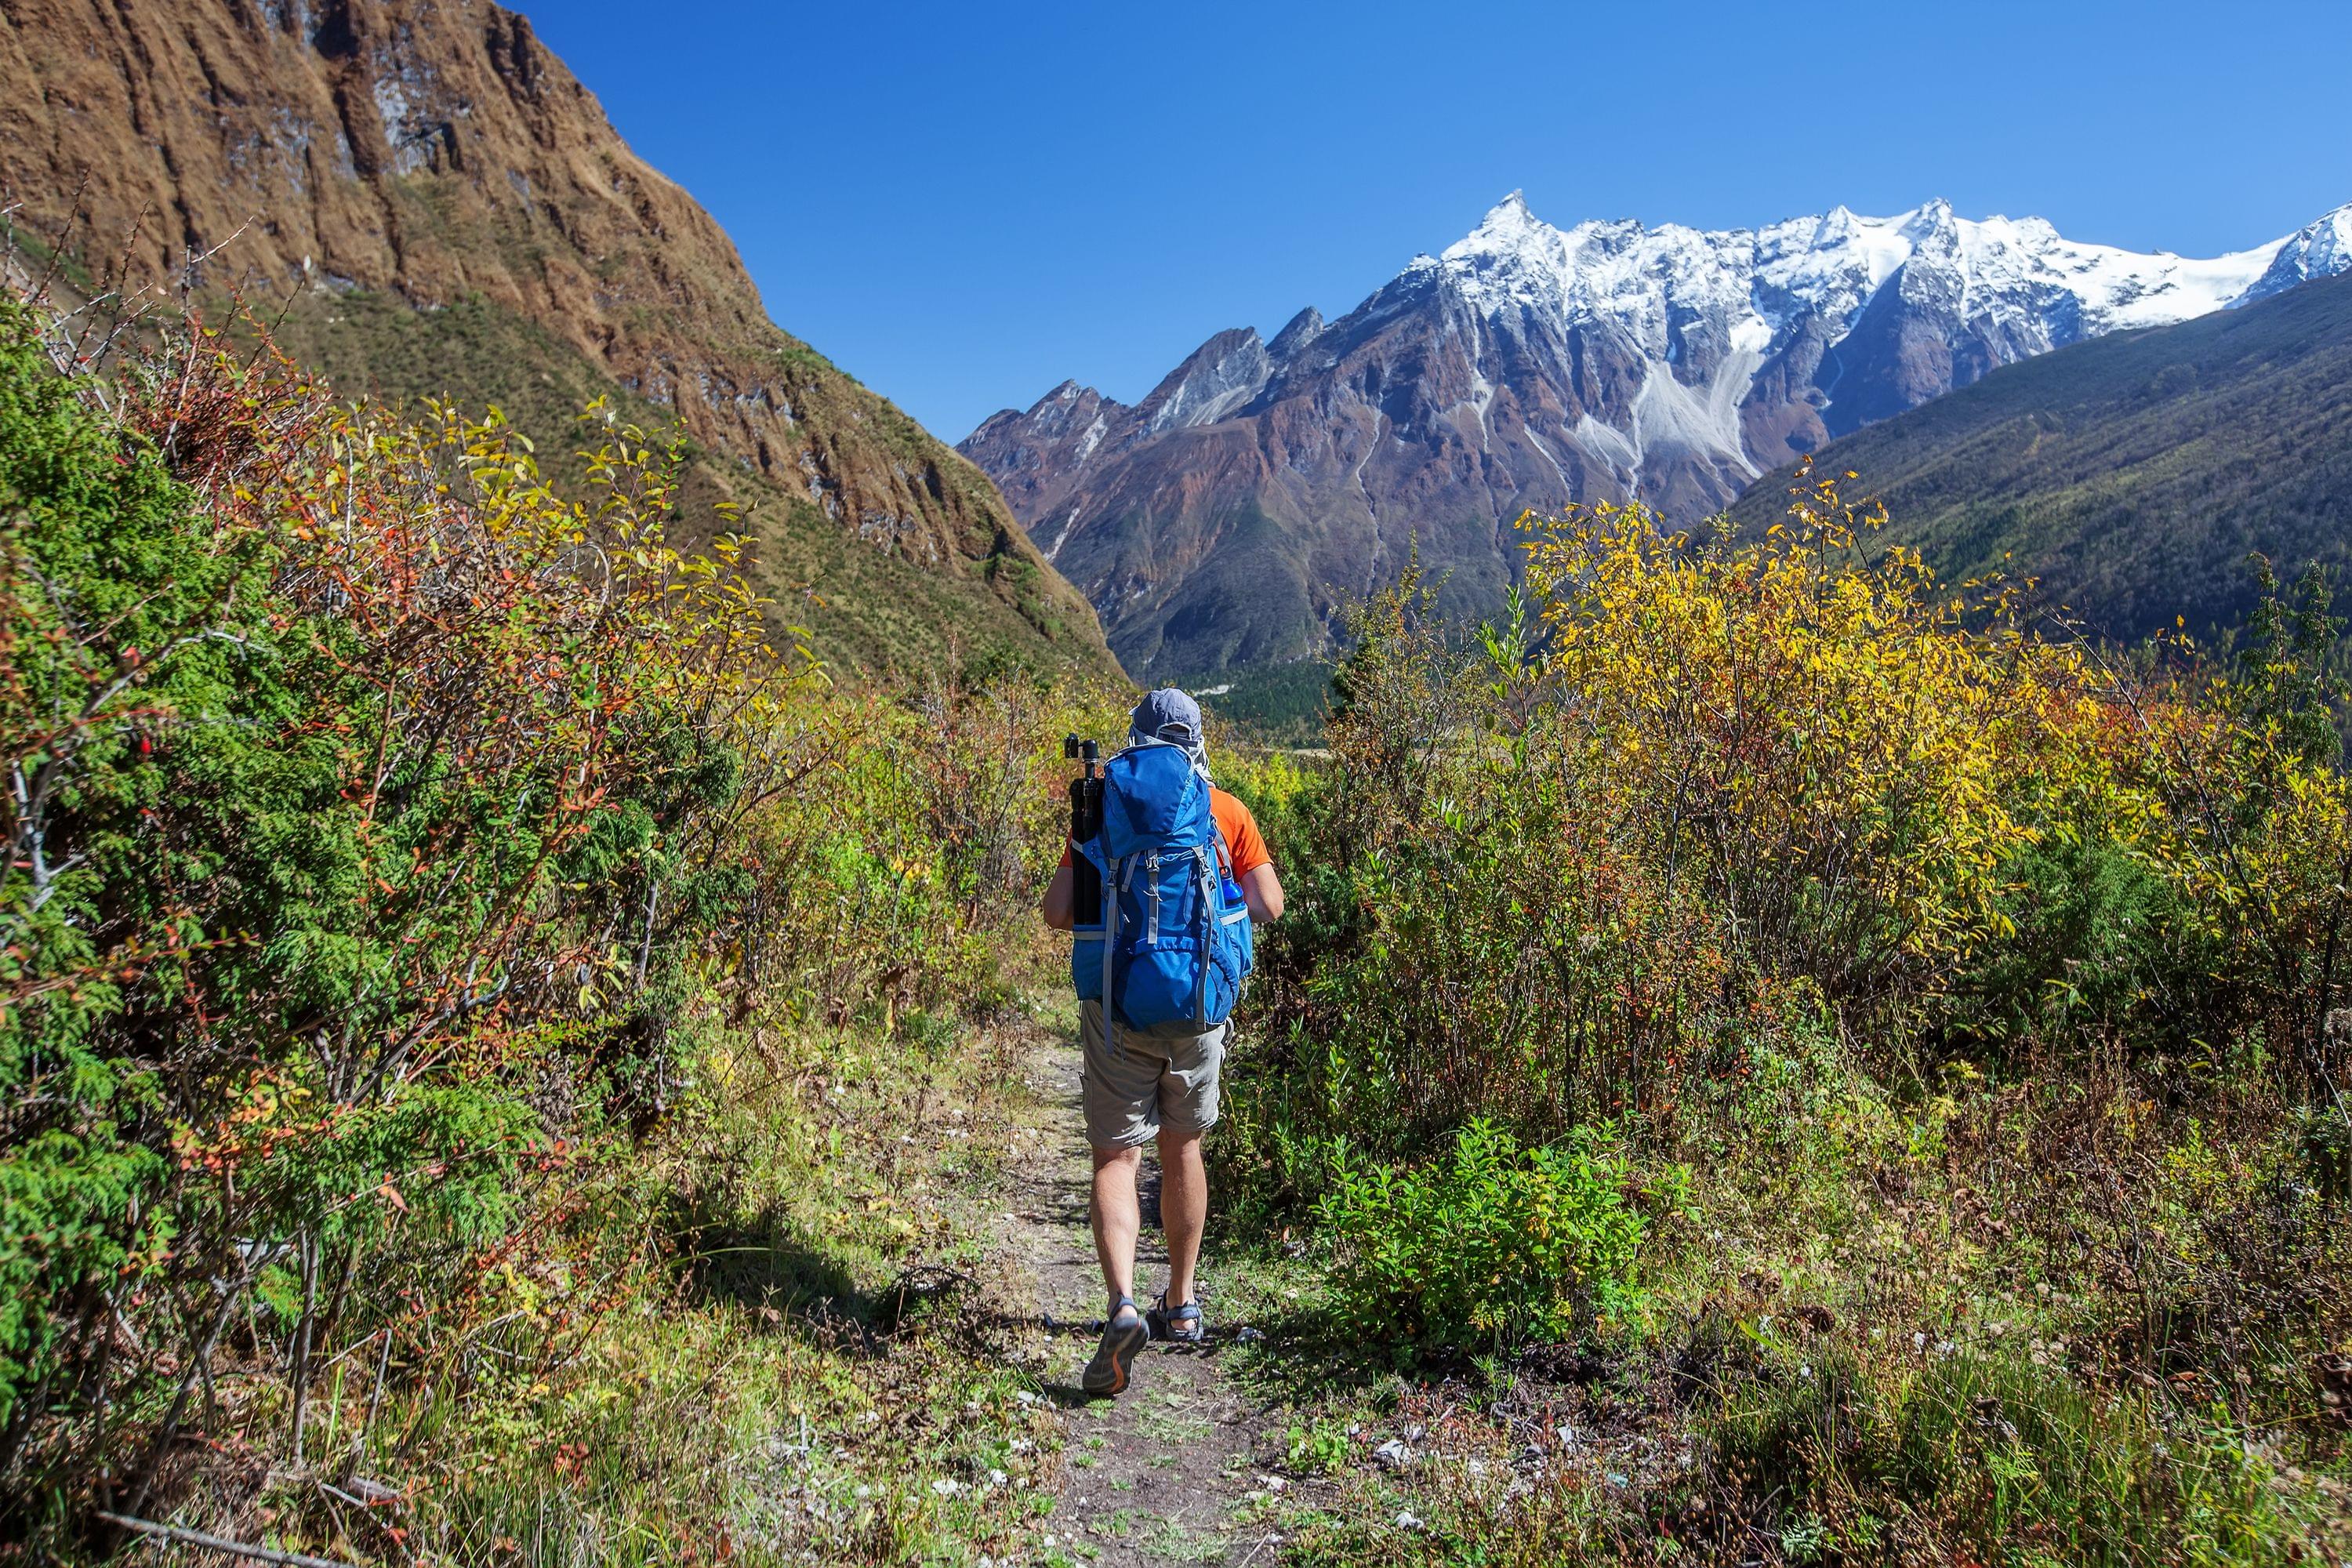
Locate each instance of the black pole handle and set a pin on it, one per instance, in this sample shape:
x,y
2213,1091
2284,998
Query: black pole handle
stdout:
x,y
1085,823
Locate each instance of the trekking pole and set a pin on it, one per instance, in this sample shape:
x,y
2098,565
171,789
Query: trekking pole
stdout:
x,y
1086,821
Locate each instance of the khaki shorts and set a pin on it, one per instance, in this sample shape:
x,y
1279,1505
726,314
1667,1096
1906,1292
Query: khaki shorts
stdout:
x,y
1145,1085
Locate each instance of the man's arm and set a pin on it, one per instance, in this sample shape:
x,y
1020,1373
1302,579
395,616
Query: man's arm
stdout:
x,y
1061,895
1260,890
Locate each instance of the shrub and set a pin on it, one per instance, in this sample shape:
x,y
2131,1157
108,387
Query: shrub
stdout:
x,y
2001,1460
1691,800
1988,985
1489,1244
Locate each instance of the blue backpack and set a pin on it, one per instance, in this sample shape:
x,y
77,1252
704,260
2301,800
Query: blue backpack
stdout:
x,y
1173,947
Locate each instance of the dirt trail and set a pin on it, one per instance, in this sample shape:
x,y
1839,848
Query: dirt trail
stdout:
x,y
1154,1476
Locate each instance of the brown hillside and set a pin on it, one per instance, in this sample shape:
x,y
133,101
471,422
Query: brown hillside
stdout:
x,y
444,208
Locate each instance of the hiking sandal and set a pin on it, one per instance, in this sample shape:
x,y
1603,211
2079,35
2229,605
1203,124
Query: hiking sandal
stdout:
x,y
1105,1375
1180,1325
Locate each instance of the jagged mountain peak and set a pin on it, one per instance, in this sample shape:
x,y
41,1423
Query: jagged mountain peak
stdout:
x,y
1508,215
1514,259
2321,248
1214,380
1300,330
1935,213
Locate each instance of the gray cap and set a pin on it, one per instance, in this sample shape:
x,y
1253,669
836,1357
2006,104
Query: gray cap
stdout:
x,y
1168,714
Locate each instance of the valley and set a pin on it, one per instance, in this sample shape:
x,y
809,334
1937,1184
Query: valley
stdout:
x,y
2129,477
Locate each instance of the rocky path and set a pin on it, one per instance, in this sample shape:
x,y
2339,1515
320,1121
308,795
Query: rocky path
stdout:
x,y
1155,1476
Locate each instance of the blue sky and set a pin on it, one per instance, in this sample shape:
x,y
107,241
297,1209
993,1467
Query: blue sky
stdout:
x,y
962,205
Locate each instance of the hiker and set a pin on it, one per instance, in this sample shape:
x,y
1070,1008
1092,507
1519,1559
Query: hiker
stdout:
x,y
1151,1072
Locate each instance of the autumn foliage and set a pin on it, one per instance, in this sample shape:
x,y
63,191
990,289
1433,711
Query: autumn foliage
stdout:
x,y
1687,791
388,832
1781,975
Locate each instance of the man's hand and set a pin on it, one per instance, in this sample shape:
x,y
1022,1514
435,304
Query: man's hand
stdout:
x,y
1061,895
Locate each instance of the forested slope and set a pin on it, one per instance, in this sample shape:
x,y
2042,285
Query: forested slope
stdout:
x,y
2132,474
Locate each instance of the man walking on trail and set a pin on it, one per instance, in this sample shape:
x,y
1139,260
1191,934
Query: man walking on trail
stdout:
x,y
1138,1088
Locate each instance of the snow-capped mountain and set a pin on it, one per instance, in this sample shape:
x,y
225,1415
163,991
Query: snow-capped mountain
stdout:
x,y
1220,521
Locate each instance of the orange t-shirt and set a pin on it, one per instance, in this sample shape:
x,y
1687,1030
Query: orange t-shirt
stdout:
x,y
1244,845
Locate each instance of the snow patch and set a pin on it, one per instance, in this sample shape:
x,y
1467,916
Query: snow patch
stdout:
x,y
1566,489
2320,250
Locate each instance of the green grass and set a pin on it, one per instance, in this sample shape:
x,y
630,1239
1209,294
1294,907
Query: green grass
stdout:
x,y
764,1388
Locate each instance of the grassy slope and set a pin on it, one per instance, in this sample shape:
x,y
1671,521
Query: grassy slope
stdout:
x,y
867,608
2132,473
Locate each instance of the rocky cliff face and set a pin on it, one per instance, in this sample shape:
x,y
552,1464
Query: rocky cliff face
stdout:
x,y
1220,522
434,153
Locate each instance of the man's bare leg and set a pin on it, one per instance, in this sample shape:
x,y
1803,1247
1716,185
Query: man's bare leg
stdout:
x,y
1117,1217
1184,1209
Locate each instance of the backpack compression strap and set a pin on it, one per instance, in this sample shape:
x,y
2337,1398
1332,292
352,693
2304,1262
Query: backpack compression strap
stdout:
x,y
1208,901
1110,945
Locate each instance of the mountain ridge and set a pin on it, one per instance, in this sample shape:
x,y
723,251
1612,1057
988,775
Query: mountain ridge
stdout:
x,y
1529,366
